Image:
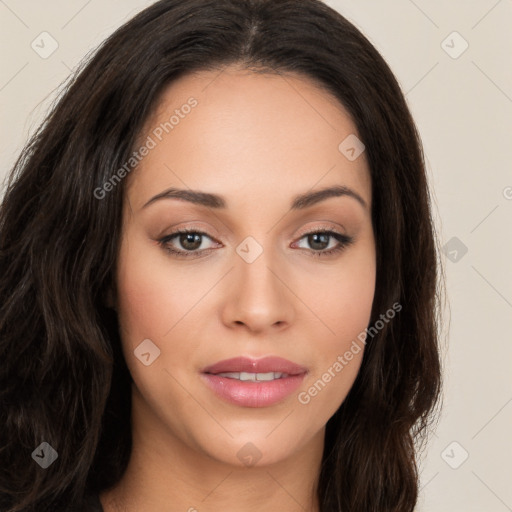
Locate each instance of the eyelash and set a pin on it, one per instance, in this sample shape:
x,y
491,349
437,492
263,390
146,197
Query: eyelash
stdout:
x,y
343,242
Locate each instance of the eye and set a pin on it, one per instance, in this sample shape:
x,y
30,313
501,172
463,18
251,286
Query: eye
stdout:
x,y
320,241
190,240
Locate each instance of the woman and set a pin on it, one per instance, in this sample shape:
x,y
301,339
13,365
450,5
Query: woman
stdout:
x,y
219,275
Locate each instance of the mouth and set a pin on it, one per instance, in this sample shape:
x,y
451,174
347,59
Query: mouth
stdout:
x,y
263,366
248,382
253,377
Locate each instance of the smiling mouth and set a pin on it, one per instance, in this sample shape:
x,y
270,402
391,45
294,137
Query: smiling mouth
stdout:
x,y
253,377
249,382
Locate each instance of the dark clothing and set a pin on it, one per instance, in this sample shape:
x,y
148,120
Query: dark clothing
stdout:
x,y
92,503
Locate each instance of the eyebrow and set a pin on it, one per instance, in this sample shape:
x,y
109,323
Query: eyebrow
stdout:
x,y
299,202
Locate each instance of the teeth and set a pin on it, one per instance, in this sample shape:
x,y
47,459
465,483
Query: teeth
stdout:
x,y
244,376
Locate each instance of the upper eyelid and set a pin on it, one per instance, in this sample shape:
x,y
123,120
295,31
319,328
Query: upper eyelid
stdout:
x,y
321,229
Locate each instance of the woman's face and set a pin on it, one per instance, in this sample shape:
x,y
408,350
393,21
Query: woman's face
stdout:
x,y
256,283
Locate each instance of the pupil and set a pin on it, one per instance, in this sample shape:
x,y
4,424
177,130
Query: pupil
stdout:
x,y
314,239
190,238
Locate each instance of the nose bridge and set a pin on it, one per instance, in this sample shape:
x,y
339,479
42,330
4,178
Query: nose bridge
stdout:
x,y
256,273
259,297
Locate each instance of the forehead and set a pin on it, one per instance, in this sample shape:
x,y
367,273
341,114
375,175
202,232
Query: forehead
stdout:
x,y
247,129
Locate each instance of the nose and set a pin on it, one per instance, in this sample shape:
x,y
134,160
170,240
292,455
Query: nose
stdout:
x,y
258,298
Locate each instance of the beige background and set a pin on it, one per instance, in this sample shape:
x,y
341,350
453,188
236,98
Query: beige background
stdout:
x,y
463,107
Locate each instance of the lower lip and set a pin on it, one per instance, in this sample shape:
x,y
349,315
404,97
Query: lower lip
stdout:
x,y
253,394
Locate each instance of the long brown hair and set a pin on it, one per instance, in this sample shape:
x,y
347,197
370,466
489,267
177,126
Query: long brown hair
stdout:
x,y
63,379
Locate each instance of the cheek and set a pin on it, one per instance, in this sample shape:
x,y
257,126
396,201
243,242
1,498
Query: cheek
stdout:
x,y
153,296
344,308
342,300
145,306
140,306
339,351
346,305
147,310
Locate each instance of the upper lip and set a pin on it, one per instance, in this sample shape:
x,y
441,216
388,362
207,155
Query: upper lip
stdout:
x,y
249,365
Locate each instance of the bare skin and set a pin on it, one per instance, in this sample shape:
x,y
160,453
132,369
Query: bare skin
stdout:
x,y
258,141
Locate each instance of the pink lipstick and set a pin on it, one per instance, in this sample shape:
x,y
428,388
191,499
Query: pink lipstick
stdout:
x,y
251,382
